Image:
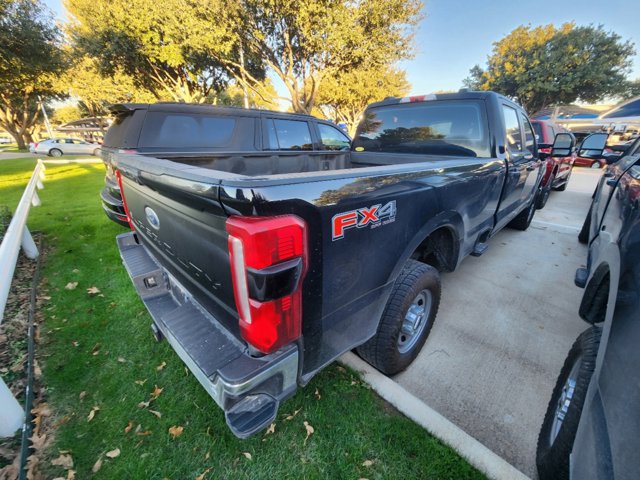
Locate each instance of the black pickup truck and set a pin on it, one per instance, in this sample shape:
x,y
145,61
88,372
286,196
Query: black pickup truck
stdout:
x,y
261,269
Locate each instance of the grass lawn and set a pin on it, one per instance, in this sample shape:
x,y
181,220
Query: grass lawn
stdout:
x,y
97,351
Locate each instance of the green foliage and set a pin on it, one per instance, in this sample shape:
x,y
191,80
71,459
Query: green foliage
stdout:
x,y
263,95
344,96
172,48
97,90
65,114
30,60
305,43
632,89
547,65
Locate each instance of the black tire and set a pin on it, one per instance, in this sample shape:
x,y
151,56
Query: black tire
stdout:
x,y
564,186
543,196
385,350
523,219
54,152
552,453
583,236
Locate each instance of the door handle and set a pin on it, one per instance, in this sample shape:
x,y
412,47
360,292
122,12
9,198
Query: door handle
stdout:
x,y
608,174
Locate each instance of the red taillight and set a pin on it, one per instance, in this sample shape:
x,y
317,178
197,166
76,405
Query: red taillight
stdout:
x,y
268,264
124,200
35,145
545,150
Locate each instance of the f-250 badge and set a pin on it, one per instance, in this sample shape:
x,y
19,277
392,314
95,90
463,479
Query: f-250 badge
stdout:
x,y
371,217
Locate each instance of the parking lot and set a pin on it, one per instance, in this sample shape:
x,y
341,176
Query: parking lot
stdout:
x,y
506,322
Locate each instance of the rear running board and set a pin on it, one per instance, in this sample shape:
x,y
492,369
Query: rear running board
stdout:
x,y
247,388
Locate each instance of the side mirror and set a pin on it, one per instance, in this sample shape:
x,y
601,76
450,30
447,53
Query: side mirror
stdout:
x,y
563,145
593,145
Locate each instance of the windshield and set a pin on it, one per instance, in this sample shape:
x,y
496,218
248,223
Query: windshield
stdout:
x,y
442,127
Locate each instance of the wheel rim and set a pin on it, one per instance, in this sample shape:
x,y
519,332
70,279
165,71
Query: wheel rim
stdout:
x,y
56,153
415,321
595,165
564,402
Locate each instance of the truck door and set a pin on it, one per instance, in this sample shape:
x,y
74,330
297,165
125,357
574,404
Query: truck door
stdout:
x,y
521,166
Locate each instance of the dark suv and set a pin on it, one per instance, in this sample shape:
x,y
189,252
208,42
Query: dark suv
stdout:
x,y
231,134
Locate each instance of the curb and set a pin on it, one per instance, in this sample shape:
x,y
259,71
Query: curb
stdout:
x,y
474,452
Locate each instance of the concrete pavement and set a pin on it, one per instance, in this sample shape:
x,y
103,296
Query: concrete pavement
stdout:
x,y
506,322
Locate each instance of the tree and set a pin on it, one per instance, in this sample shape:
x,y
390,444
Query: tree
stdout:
x,y
30,60
632,89
96,91
306,43
546,65
171,48
344,97
65,114
263,95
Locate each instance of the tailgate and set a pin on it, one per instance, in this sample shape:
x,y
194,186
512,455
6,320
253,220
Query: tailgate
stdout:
x,y
182,224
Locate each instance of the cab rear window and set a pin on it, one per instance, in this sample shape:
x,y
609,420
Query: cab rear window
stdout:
x,y
175,130
443,127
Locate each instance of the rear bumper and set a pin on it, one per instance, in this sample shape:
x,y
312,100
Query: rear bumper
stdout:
x,y
112,204
248,389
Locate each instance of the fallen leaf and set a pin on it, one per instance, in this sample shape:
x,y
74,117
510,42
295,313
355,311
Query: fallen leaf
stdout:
x,y
309,429
64,461
201,476
143,404
71,475
92,413
161,366
129,426
367,463
175,431
93,290
290,417
38,441
140,382
71,286
42,410
206,456
82,394
156,392
247,455
75,344
97,466
121,359
156,413
113,453
317,394
271,429
144,434
96,349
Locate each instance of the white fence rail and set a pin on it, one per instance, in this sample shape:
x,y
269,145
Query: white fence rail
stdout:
x,y
17,235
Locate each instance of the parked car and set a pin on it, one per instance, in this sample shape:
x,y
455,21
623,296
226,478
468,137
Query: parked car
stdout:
x,y
56,147
6,140
196,130
590,430
262,268
557,170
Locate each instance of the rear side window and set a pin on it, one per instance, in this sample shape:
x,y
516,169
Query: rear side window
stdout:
x,y
529,141
450,128
333,139
174,130
289,135
514,138
115,136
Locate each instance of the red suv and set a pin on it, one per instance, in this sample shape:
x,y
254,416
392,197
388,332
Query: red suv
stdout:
x,y
557,170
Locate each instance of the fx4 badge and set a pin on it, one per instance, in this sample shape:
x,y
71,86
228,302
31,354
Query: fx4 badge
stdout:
x,y
371,217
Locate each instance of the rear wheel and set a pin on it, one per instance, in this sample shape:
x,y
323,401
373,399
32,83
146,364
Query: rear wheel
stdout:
x,y
407,319
54,152
96,152
595,165
560,424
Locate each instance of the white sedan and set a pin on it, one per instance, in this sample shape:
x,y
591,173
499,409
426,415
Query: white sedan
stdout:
x,y
56,147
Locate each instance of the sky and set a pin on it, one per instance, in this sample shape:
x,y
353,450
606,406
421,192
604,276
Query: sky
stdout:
x,y
455,35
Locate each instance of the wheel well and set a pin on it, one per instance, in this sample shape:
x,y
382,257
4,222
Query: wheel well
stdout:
x,y
439,249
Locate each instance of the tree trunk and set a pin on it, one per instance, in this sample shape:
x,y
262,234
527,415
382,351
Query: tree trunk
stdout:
x,y
19,140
